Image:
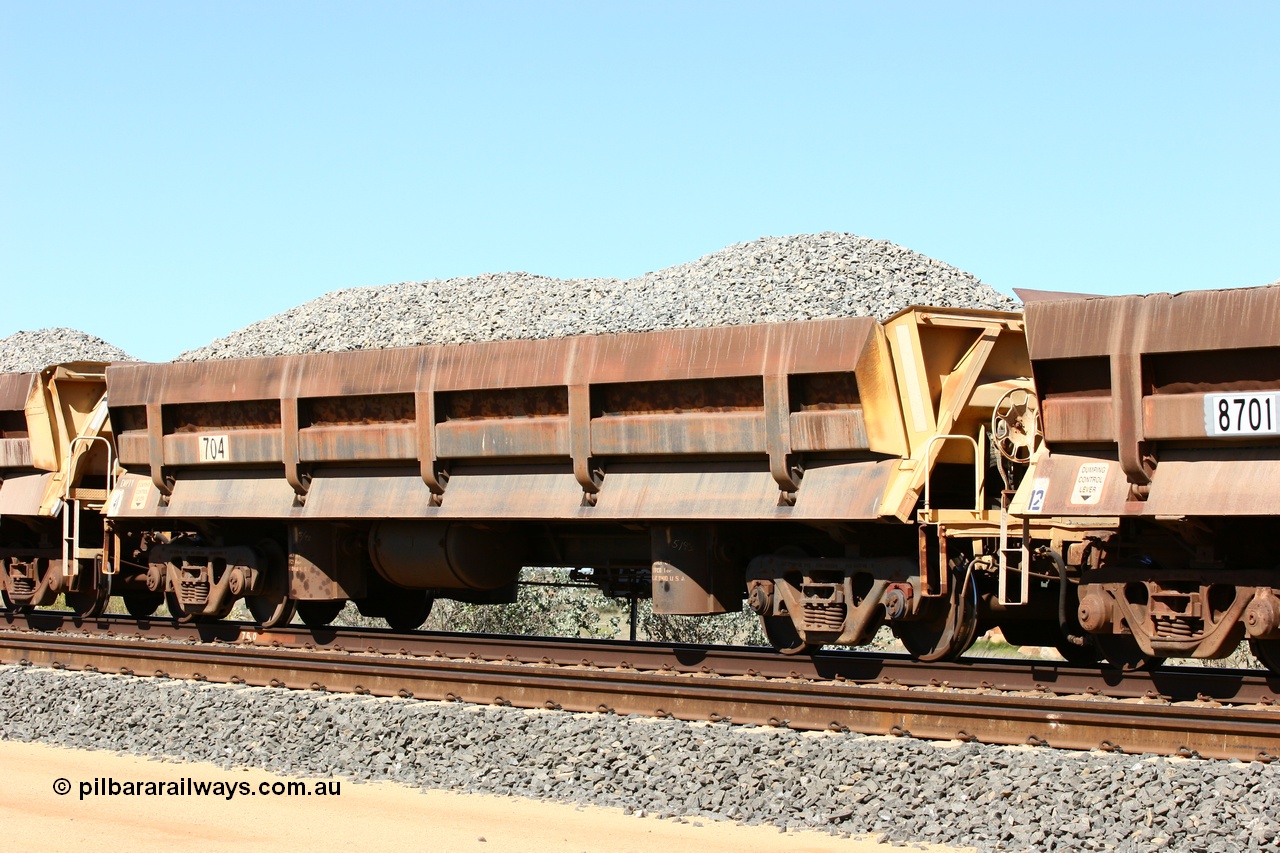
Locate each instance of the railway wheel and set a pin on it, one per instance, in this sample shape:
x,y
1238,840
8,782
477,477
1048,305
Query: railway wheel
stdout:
x,y
142,604
1268,653
1122,652
270,611
949,626
273,607
89,603
407,609
781,633
318,614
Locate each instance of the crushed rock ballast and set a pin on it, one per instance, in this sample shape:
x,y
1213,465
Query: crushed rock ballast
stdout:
x,y
768,280
901,789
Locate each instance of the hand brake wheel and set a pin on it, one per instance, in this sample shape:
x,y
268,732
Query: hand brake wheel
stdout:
x,y
1015,425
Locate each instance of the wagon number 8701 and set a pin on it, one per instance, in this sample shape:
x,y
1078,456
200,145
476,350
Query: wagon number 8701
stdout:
x,y
1242,414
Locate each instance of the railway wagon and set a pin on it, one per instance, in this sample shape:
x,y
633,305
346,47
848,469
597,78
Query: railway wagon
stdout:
x,y
56,459
834,474
1161,419
22,488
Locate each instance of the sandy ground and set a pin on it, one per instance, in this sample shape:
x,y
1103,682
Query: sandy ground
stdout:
x,y
362,816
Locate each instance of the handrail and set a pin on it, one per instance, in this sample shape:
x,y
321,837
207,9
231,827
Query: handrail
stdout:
x,y
71,507
977,468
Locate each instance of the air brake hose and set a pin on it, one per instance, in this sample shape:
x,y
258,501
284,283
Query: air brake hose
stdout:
x,y
1080,640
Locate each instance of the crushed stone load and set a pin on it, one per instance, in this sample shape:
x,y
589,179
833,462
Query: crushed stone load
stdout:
x,y
767,280
28,352
901,789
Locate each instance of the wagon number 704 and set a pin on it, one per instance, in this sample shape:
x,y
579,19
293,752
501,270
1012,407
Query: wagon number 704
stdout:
x,y
213,448
1242,414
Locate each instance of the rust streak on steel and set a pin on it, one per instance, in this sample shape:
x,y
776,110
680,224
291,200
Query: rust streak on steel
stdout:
x,y
1119,373
1003,718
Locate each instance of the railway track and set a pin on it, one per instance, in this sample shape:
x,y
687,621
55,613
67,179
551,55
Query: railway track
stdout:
x,y
1195,712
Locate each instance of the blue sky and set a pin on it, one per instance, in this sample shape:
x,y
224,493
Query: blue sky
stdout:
x,y
170,172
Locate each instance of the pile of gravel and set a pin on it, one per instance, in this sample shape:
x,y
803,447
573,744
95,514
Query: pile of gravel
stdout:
x,y
993,798
26,352
770,279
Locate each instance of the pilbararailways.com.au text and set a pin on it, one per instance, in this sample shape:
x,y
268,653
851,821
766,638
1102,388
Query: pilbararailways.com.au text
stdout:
x,y
106,786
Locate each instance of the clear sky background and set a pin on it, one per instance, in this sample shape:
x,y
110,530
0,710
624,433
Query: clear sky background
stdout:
x,y
170,172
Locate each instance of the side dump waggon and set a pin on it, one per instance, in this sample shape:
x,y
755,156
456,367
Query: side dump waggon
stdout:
x,y
1161,419
783,464
1098,475
56,460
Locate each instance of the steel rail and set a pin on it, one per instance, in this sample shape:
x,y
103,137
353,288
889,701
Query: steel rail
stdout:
x,y
1151,725
1179,684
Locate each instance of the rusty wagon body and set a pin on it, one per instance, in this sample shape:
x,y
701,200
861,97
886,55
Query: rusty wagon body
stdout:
x,y
1057,475
1161,414
56,461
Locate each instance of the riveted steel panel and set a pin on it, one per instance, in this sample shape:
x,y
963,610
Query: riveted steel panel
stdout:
x,y
826,431
21,494
15,453
1079,328
1166,356
1082,419
811,346
378,442
678,434
1173,416
1078,484
207,493
133,448
314,415
1212,319
481,439
842,490
367,494
513,492
243,447
14,390
1232,481
712,490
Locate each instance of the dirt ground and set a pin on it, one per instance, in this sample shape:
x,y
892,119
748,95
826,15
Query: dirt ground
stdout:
x,y
361,816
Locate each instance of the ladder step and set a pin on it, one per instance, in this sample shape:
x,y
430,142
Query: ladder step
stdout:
x,y
87,494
